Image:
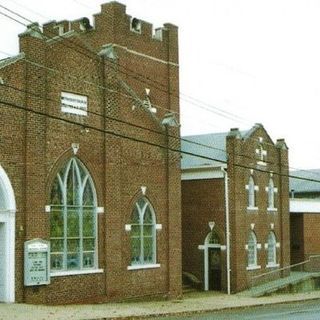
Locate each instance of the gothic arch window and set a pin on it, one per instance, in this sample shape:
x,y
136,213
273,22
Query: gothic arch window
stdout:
x,y
143,234
272,190
73,219
272,251
251,188
212,238
252,249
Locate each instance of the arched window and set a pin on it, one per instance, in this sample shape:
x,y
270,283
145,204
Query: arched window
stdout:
x,y
213,238
73,219
271,194
272,252
251,193
252,249
143,233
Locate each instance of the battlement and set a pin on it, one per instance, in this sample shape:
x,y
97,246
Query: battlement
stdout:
x,y
114,25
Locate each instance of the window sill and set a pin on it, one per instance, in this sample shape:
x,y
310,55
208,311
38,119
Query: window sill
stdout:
x,y
252,209
75,272
249,268
144,266
271,210
272,265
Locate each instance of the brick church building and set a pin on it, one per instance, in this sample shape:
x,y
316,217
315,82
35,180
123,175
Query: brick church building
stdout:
x,y
89,177
235,208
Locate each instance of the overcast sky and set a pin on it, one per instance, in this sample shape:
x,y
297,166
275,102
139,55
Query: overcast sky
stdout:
x,y
241,62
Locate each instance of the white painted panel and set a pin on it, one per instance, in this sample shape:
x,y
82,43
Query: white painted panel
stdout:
x,y
2,262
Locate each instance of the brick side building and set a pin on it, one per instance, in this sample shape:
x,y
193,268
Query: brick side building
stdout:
x,y
305,218
87,161
235,208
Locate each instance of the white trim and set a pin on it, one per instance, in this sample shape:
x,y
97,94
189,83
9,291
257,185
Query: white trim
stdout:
x,y
305,205
278,245
252,208
75,272
256,188
259,246
7,216
100,209
272,209
158,226
127,227
201,173
47,208
205,248
272,265
249,268
144,266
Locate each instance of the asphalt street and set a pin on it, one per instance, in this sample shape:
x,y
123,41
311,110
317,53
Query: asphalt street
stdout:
x,y
306,310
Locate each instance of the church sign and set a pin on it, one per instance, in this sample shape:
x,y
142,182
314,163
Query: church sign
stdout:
x,y
36,262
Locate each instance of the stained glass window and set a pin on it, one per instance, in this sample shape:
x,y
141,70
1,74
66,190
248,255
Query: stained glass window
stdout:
x,y
73,220
252,249
271,192
272,257
251,193
143,234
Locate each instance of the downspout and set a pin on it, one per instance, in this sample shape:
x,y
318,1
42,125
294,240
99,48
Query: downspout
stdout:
x,y
226,197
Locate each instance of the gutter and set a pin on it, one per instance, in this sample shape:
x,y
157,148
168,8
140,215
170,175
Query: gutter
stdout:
x,y
226,189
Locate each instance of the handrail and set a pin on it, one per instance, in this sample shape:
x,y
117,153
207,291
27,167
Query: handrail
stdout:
x,y
285,268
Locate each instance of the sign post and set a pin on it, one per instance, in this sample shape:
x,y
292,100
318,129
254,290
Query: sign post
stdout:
x,y
36,262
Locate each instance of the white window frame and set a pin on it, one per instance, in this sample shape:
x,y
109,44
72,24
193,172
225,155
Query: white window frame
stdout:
x,y
252,251
141,264
271,247
271,191
252,189
76,163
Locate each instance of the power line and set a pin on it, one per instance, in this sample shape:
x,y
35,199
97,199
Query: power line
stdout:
x,y
166,147
138,76
207,107
181,139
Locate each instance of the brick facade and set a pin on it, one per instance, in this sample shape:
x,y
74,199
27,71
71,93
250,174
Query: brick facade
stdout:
x,y
204,200
122,147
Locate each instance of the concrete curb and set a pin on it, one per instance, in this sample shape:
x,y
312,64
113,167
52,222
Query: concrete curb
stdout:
x,y
209,310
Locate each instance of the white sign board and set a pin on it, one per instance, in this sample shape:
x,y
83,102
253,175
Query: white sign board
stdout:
x,y
36,262
74,103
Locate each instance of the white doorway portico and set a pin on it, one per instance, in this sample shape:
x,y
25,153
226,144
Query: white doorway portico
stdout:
x,y
7,239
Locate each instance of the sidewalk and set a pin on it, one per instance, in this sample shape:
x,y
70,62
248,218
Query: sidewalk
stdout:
x,y
191,303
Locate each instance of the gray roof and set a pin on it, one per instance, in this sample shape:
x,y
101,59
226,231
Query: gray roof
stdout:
x,y
204,148
307,182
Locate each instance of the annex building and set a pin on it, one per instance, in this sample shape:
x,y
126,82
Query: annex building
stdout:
x,y
89,174
235,208
305,219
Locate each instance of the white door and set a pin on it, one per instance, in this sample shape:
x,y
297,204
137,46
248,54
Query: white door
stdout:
x,y
3,263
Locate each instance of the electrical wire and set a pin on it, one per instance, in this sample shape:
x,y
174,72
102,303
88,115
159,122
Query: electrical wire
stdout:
x,y
138,76
218,111
166,147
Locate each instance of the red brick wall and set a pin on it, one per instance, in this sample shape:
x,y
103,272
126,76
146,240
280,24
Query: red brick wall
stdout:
x,y
34,146
202,202
241,164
